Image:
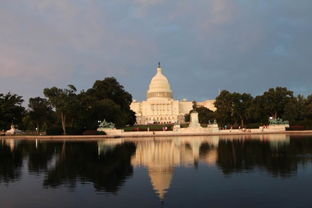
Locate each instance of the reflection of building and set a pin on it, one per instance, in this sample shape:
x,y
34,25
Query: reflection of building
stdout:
x,y
160,106
161,156
12,143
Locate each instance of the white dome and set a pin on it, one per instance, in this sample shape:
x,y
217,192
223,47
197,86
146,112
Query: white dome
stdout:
x,y
159,86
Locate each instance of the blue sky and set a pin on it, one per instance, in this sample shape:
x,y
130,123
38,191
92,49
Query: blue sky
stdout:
x,y
203,45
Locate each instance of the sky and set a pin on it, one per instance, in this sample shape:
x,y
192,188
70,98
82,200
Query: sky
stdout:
x,y
204,46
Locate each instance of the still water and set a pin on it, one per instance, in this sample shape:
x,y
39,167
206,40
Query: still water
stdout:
x,y
213,171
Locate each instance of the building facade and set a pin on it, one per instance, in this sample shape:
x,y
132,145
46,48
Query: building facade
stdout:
x,y
160,107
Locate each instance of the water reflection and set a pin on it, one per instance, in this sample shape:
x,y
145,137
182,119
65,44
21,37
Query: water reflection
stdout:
x,y
162,155
107,164
79,161
273,153
230,153
10,162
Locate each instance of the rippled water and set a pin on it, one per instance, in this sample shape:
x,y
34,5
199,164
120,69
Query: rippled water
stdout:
x,y
212,171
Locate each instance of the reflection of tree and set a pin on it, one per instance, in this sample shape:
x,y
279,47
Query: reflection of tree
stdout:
x,y
10,164
239,155
40,156
75,162
80,162
13,154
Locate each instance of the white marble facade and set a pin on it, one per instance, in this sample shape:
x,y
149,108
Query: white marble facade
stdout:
x,y
160,107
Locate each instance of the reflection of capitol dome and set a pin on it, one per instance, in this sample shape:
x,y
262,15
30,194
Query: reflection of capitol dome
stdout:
x,y
159,86
161,156
161,180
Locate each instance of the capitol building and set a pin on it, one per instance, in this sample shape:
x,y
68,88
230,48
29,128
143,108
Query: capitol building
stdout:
x,y
160,107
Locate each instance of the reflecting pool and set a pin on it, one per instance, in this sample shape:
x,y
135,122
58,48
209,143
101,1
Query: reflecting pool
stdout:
x,y
212,171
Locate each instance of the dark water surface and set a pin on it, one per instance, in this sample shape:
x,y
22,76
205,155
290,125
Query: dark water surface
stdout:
x,y
212,171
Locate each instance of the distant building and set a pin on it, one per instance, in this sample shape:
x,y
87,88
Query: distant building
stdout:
x,y
160,107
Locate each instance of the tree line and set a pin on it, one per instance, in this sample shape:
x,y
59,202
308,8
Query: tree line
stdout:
x,y
67,111
243,110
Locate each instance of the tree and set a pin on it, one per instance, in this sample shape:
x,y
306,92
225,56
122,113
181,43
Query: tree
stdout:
x,y
241,104
109,88
224,105
107,100
205,115
294,110
275,100
233,108
65,103
11,110
110,101
258,113
40,112
308,112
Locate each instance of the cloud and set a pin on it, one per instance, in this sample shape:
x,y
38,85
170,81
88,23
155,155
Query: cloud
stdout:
x,y
147,3
237,45
222,11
